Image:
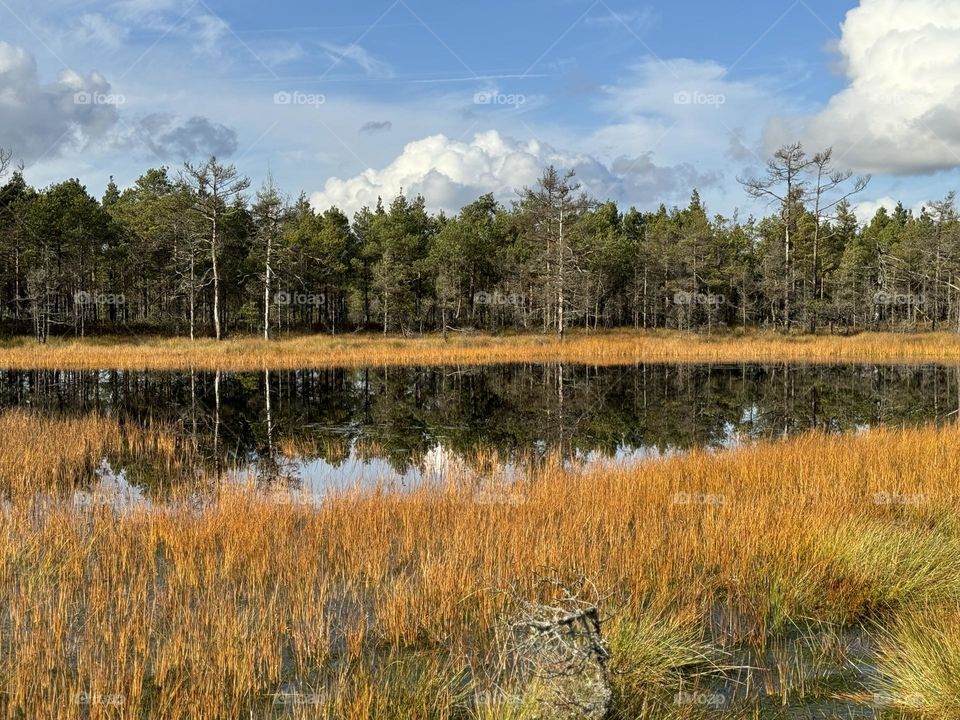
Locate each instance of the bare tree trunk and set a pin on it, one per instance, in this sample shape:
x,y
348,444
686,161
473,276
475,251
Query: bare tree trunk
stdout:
x,y
561,310
193,294
216,279
788,287
266,292
216,423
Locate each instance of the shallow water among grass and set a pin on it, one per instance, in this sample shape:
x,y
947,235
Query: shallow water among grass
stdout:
x,y
361,543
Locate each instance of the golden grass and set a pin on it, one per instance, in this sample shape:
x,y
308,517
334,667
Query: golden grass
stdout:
x,y
49,455
384,604
597,348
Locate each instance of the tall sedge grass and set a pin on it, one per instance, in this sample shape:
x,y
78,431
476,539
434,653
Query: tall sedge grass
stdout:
x,y
596,348
43,455
388,603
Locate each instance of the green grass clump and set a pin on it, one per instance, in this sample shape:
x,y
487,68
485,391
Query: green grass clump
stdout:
x,y
878,568
919,663
654,657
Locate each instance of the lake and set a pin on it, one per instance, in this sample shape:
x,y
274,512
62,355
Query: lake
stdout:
x,y
317,428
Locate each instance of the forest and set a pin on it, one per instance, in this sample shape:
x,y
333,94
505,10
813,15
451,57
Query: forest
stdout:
x,y
196,251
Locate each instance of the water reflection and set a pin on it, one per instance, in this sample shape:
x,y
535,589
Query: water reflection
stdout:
x,y
322,427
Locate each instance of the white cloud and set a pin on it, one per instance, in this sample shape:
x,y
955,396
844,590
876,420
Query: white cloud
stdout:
x,y
96,29
42,119
154,14
898,114
186,19
451,173
690,112
867,209
208,31
281,52
140,9
356,54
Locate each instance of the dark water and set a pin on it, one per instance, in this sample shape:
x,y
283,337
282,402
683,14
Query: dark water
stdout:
x,y
318,427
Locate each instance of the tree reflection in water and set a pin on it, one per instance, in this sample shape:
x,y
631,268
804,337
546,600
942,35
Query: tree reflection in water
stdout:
x,y
341,425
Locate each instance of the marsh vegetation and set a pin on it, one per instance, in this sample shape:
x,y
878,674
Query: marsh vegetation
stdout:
x,y
813,575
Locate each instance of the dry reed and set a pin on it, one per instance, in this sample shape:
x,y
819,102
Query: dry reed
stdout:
x,y
595,348
53,455
385,603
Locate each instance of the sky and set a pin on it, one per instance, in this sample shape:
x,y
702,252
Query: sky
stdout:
x,y
348,101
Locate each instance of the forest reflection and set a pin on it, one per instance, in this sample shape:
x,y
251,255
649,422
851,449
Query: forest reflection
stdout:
x,y
320,426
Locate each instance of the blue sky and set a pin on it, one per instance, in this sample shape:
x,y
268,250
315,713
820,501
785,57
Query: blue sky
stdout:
x,y
348,101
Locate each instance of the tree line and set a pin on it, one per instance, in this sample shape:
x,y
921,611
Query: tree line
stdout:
x,y
197,252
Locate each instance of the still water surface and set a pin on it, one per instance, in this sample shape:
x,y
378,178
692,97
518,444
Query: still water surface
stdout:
x,y
317,428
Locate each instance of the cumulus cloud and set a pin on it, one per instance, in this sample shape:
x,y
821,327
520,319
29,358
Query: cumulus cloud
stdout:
x,y
867,209
639,180
898,114
198,137
450,174
42,119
